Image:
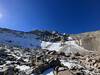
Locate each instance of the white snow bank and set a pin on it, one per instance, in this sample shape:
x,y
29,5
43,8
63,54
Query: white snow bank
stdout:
x,y
67,47
50,46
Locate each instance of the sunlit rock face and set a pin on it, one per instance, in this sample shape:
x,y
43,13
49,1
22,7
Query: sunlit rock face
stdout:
x,y
89,40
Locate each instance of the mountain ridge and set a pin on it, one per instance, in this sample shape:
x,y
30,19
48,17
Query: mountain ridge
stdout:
x,y
44,52
87,40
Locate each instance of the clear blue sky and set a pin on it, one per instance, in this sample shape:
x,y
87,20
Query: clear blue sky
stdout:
x,y
70,16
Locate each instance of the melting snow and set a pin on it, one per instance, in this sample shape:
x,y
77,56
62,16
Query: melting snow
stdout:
x,y
23,67
68,46
70,64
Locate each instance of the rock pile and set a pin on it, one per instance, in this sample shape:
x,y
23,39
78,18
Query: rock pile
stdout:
x,y
20,61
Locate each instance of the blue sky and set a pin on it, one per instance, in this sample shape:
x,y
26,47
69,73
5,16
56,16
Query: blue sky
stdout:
x,y
70,16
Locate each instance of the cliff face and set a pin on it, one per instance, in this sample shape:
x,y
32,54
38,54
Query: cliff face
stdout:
x,y
89,40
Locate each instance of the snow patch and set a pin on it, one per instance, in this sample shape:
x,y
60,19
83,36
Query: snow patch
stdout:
x,y
67,47
23,67
70,64
49,72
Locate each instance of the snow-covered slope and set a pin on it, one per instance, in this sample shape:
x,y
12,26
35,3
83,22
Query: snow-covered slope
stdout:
x,y
29,40
20,39
67,47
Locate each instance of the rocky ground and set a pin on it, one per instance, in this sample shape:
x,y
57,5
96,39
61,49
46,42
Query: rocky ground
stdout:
x,y
17,61
49,53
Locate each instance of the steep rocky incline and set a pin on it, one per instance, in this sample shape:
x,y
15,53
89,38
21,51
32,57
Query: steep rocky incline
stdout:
x,y
19,39
32,39
51,40
49,53
89,40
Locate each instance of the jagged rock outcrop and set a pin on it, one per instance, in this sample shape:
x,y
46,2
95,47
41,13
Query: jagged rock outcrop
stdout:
x,y
51,36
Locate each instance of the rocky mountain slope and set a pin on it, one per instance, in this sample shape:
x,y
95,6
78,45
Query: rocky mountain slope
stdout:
x,y
89,40
49,53
36,38
18,38
39,39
